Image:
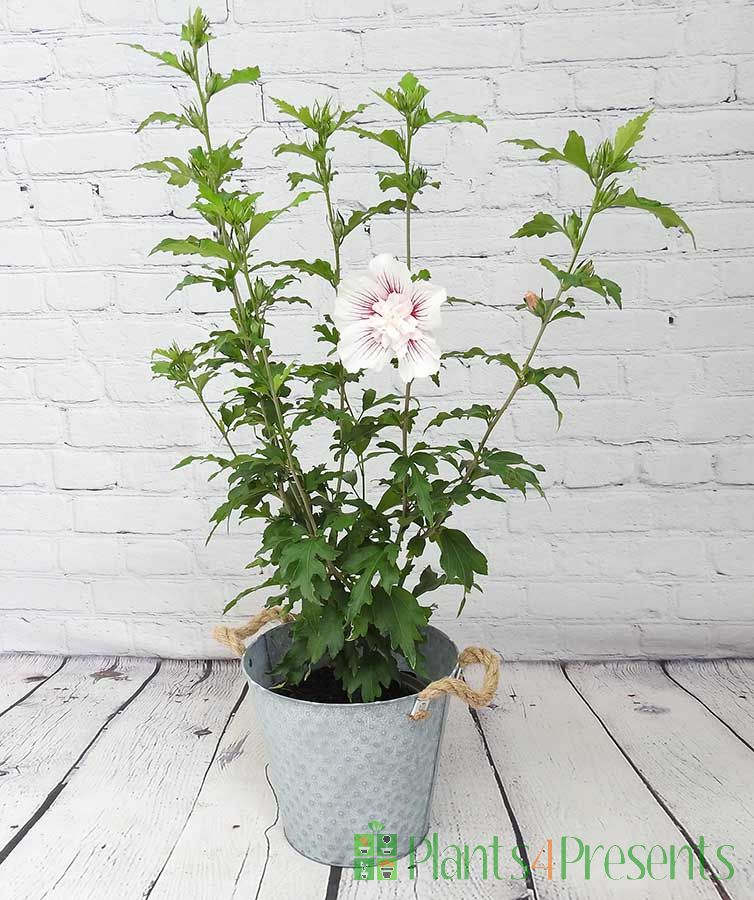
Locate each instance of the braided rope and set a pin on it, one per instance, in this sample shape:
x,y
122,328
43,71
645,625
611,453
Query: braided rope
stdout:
x,y
234,637
462,690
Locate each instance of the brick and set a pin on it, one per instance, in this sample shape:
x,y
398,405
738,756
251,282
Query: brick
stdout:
x,y
598,601
121,426
676,465
85,470
307,51
735,464
250,12
608,36
540,90
174,11
13,203
21,293
83,105
82,554
681,555
737,180
79,290
619,87
64,200
36,339
733,556
26,15
698,84
716,600
25,468
440,47
158,557
15,383
28,553
709,32
589,467
25,62
135,12
32,424
25,593
80,153
113,514
34,512
70,383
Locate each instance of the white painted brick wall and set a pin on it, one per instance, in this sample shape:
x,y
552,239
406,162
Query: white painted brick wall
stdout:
x,y
648,545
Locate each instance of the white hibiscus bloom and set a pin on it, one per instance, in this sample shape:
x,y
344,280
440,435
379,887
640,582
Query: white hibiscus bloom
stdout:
x,y
383,315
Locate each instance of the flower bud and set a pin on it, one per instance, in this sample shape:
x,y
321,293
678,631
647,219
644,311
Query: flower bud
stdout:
x,y
531,300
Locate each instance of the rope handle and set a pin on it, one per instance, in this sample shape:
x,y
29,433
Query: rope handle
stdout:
x,y
234,638
458,686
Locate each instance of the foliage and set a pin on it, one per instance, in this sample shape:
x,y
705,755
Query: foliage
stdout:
x,y
352,556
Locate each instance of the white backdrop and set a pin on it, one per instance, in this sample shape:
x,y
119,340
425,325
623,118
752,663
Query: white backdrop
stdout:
x,y
647,548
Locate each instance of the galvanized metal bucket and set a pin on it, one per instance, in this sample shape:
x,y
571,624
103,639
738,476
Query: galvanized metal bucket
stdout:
x,y
337,767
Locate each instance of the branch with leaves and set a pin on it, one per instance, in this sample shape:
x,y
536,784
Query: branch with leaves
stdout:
x,y
342,550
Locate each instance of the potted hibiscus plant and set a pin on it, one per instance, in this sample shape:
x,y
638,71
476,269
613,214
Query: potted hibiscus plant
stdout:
x,y
351,685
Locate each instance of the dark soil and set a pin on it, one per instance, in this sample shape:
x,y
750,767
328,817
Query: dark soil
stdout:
x,y
323,687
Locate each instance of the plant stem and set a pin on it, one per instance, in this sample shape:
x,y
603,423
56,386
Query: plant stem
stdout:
x,y
226,240
405,423
409,195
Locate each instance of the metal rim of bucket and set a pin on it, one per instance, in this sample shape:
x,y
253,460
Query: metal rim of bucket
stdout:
x,y
353,706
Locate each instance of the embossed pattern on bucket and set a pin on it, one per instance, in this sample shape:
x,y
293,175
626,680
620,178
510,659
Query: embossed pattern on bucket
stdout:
x,y
336,767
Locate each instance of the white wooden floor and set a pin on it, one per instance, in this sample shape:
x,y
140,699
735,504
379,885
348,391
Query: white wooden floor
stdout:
x,y
133,779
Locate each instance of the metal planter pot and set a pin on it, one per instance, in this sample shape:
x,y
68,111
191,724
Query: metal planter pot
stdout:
x,y
338,767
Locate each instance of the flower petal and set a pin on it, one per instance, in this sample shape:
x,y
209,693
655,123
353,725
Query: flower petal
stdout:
x,y
420,359
354,301
427,300
391,274
359,348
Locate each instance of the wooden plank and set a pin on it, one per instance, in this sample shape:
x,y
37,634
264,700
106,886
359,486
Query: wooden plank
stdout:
x,y
43,737
112,828
467,809
700,771
566,778
233,843
725,686
22,673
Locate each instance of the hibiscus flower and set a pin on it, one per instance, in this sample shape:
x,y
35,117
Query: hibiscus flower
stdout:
x,y
384,315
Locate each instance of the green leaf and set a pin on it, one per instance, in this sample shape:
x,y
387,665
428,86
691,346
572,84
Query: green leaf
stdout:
x,y
400,617
164,118
429,580
573,152
539,226
448,116
481,411
319,267
326,635
193,246
503,359
585,277
389,138
303,563
217,83
460,560
667,216
165,57
361,216
262,219
629,134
